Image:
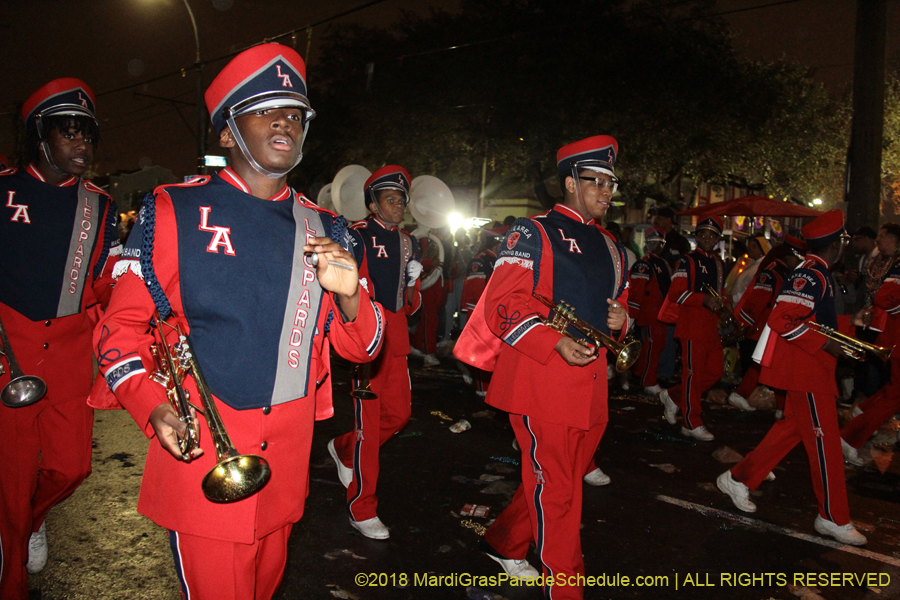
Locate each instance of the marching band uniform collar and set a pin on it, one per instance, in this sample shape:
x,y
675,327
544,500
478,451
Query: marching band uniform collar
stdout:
x,y
228,175
817,258
702,252
33,171
572,213
382,223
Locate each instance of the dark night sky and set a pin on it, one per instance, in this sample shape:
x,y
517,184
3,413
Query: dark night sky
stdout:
x,y
112,44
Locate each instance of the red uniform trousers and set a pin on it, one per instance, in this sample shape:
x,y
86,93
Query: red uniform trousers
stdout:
x,y
375,422
546,508
433,299
703,363
217,570
45,450
877,409
654,341
810,418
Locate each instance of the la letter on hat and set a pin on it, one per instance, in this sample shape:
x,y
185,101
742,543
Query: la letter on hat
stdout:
x,y
64,96
265,76
597,153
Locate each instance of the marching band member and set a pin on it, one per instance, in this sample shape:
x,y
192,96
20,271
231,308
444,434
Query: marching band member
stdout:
x,y
693,310
798,358
388,263
881,406
58,243
249,269
648,284
753,311
554,388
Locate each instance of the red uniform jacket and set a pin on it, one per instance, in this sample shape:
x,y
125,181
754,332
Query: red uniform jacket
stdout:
x,y
684,302
39,263
382,252
170,492
648,281
478,274
793,358
562,257
887,301
757,302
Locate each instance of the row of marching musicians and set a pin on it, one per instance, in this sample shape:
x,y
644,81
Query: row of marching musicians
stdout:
x,y
240,274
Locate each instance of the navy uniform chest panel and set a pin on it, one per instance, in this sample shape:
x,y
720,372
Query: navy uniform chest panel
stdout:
x,y
383,255
660,271
34,256
583,272
707,271
826,309
811,284
235,281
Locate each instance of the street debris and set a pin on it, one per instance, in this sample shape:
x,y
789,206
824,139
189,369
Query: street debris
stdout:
x,y
338,553
489,478
478,528
666,468
460,426
484,414
438,413
727,456
475,510
506,459
337,592
474,593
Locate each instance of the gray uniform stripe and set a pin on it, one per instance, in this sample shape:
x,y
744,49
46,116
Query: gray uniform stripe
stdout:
x,y
299,325
87,226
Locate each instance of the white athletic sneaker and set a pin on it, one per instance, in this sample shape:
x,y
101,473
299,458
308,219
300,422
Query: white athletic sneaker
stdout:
x,y
597,478
372,528
845,534
740,402
345,474
37,551
737,491
431,360
516,568
653,390
851,454
670,410
698,433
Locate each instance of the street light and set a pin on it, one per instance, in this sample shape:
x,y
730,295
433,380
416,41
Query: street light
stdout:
x,y
201,106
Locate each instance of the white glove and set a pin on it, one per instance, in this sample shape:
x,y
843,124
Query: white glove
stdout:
x,y
413,269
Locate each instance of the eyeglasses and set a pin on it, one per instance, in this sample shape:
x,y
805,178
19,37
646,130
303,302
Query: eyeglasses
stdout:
x,y
611,184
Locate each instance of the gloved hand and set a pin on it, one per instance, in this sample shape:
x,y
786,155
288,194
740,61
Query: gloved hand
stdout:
x,y
413,269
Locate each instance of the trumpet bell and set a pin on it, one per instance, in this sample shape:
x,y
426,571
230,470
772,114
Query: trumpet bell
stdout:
x,y
627,355
23,391
236,478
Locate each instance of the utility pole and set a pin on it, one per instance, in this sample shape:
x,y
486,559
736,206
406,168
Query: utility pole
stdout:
x,y
862,185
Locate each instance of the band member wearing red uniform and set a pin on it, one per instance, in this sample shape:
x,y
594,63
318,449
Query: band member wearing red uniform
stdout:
x,y
434,296
884,403
554,388
692,308
58,243
478,274
388,264
229,259
753,310
798,358
648,284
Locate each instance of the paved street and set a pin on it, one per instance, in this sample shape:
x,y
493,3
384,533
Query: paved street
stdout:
x,y
661,517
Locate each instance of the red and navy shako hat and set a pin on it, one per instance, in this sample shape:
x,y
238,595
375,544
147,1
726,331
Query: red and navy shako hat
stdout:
x,y
713,223
795,245
265,76
65,96
655,235
596,153
823,230
390,177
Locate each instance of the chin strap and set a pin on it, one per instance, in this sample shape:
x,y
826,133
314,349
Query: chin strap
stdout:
x,y
46,149
229,118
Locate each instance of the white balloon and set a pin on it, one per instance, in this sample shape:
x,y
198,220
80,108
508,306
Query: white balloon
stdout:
x,y
347,192
430,201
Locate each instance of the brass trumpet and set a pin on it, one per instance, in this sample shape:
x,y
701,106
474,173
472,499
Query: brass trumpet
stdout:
x,y
730,331
852,347
235,476
22,389
562,316
363,373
